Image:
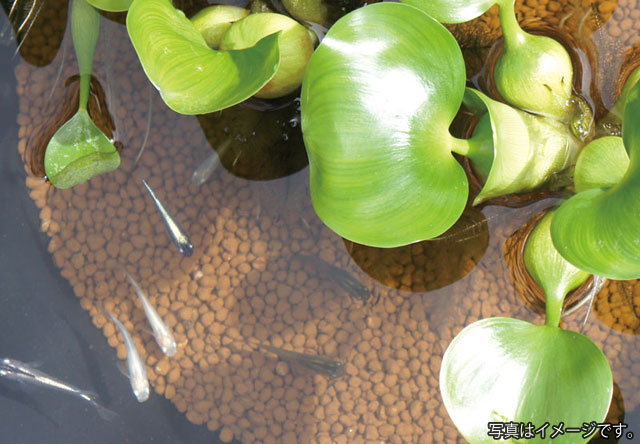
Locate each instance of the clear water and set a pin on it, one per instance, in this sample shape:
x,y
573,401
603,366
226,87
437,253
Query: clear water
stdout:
x,y
248,222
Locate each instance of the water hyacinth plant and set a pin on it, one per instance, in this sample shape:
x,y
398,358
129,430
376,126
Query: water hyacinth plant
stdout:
x,y
378,98
376,110
79,150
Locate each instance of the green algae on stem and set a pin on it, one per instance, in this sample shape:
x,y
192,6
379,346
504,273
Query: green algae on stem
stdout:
x,y
79,150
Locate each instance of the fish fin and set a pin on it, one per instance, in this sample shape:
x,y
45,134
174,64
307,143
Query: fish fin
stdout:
x,y
34,364
123,369
105,413
89,395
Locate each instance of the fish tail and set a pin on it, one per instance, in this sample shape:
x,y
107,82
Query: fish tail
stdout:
x,y
105,413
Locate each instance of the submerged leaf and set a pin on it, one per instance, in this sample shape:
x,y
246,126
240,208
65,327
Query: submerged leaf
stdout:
x,y
378,98
598,230
503,369
78,151
191,77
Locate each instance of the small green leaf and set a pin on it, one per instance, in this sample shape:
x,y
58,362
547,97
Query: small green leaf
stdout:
x,y
452,11
213,21
503,369
528,149
295,45
601,164
378,98
191,77
78,151
111,5
308,10
552,272
598,230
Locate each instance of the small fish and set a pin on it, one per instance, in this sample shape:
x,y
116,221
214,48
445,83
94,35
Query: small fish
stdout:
x,y
24,373
161,332
317,363
177,234
210,163
345,279
137,370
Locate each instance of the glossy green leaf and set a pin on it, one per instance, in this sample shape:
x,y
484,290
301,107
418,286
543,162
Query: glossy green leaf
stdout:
x,y
213,21
502,369
550,270
191,77
377,100
598,230
78,151
452,11
528,149
295,44
601,164
111,5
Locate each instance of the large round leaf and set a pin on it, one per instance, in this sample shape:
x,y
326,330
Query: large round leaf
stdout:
x,y
503,369
598,230
191,77
377,100
452,11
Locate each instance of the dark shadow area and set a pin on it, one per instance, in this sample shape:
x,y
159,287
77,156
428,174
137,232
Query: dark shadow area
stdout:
x,y
431,264
257,143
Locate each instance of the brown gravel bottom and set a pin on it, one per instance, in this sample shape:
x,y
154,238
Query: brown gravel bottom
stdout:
x,y
241,284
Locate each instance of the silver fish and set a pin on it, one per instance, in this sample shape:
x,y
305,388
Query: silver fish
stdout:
x,y
209,164
161,332
343,278
177,234
323,365
24,373
137,369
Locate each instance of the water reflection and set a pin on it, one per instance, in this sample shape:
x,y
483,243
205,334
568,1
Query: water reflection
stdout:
x,y
47,20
